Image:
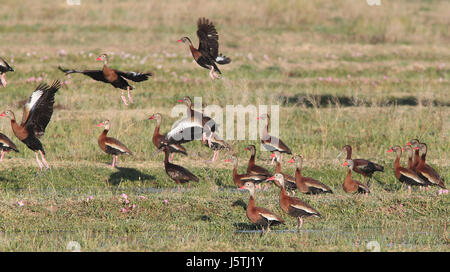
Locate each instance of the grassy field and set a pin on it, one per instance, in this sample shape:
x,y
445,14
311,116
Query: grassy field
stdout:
x,y
342,72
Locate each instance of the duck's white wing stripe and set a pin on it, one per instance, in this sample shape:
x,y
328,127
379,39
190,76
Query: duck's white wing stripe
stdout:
x,y
306,209
413,176
180,126
269,216
33,99
115,147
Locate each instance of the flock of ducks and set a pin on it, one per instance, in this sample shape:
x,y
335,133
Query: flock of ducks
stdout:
x,y
38,110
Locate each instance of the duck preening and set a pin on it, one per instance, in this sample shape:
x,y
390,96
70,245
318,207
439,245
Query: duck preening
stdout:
x,y
350,185
4,67
207,53
176,172
405,175
307,185
291,205
260,216
272,143
37,113
159,140
361,166
240,179
115,77
426,172
110,145
6,145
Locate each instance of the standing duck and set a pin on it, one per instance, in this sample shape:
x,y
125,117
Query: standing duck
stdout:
x,y
291,205
427,172
353,186
307,185
272,143
361,166
259,216
415,144
159,139
409,150
176,172
4,67
240,179
207,53
6,145
288,179
405,175
110,145
115,77
252,168
216,144
37,113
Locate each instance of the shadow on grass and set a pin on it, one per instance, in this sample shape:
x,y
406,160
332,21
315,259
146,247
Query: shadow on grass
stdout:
x,y
327,100
245,227
130,174
240,203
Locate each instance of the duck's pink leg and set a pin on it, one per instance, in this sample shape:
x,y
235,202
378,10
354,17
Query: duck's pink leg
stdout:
x,y
211,75
129,95
38,162
2,155
171,157
3,80
123,98
300,223
273,159
43,160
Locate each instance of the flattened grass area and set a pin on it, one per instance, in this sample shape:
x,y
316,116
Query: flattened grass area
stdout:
x,y
342,73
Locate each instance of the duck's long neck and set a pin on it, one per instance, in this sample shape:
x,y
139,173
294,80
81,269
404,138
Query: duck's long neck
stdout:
x,y
235,166
158,124
349,153
278,167
397,161
266,128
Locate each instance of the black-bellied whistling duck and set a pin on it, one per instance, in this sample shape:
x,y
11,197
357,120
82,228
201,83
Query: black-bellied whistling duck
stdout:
x,y
115,77
288,179
409,150
207,53
176,172
427,172
292,205
259,216
208,124
415,144
6,145
361,166
272,143
4,67
240,179
110,145
216,144
159,139
36,115
353,186
307,185
252,168
405,175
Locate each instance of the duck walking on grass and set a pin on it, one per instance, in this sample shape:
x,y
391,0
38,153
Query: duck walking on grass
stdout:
x,y
272,143
176,172
207,53
110,145
291,205
260,216
37,113
307,185
6,145
426,172
115,77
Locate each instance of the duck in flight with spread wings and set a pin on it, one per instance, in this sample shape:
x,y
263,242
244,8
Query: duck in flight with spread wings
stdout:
x,y
36,115
115,77
207,53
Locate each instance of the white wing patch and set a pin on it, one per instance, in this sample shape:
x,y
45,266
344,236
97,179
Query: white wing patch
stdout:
x,y
412,176
33,99
306,209
116,147
269,217
220,58
180,126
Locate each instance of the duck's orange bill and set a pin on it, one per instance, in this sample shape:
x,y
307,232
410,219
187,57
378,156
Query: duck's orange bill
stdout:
x,y
227,160
98,58
151,117
242,188
179,41
390,150
2,114
180,100
99,125
408,143
291,160
271,178
272,155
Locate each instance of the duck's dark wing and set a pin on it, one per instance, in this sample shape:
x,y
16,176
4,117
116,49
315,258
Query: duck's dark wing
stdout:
x,y
136,77
39,108
208,38
94,74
